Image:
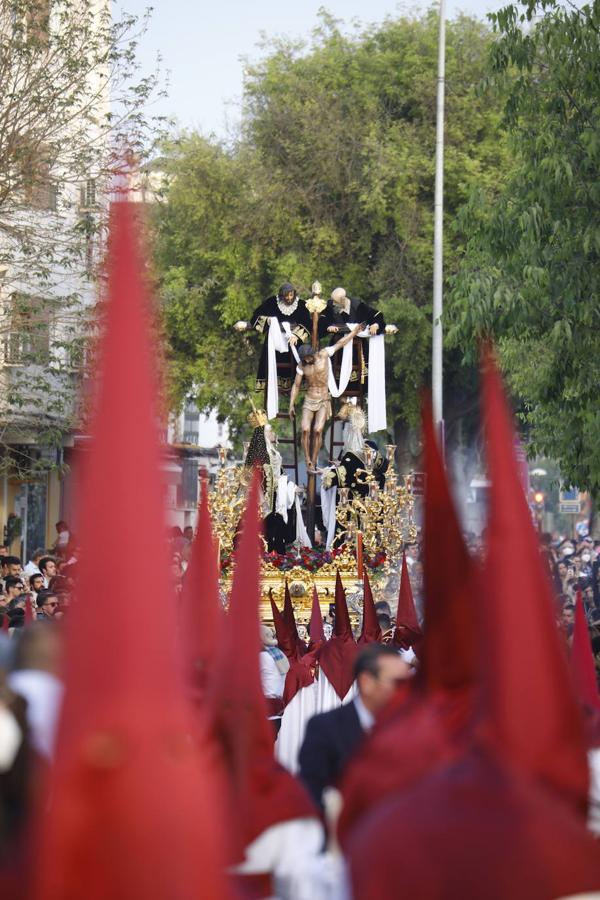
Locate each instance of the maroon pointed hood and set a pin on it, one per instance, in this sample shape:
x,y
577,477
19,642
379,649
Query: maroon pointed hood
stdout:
x,y
343,628
290,620
407,632
298,675
29,616
473,829
285,638
583,667
450,643
317,635
370,632
429,721
337,656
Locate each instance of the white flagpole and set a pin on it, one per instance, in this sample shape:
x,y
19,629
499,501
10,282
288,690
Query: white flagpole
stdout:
x,y
437,375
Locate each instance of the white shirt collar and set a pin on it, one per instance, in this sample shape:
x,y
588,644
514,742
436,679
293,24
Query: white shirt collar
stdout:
x,y
366,718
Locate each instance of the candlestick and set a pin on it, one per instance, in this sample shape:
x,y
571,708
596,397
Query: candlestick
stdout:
x,y
359,554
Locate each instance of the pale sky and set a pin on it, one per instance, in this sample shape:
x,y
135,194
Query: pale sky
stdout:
x,y
202,44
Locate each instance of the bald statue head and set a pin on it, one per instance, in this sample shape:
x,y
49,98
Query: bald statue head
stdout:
x,y
338,296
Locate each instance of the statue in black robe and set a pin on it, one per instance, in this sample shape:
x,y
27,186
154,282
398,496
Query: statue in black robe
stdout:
x,y
340,312
285,307
350,471
262,452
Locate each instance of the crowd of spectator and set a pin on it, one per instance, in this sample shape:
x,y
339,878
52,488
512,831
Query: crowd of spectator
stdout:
x,y
42,589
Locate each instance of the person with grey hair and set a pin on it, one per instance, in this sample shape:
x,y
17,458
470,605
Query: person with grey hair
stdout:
x,y
341,313
342,310
274,666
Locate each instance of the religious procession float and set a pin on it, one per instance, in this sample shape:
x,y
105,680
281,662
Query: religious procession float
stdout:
x,y
340,505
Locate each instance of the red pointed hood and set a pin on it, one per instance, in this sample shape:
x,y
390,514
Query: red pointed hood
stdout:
x,y
263,792
317,634
202,613
450,643
534,714
134,807
407,631
337,656
290,620
370,631
583,668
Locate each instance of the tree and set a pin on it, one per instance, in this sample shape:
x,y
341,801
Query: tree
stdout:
x,y
530,276
331,179
70,98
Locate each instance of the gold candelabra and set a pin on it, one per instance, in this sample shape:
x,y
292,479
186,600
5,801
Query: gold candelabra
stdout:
x,y
227,500
384,517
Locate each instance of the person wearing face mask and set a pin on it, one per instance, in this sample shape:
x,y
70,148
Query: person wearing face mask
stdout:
x,y
586,563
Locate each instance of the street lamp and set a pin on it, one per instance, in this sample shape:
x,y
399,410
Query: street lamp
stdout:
x,y
539,499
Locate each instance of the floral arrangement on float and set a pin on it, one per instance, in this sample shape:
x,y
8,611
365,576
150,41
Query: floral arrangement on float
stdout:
x,y
312,559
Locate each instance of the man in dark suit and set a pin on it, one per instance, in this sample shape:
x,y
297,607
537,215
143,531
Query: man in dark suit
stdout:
x,y
332,737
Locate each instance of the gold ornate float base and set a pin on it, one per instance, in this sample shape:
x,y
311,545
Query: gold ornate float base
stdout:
x,y
302,580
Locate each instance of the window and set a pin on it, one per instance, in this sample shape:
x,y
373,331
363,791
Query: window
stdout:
x,y
28,337
187,493
191,423
33,173
88,229
79,354
87,194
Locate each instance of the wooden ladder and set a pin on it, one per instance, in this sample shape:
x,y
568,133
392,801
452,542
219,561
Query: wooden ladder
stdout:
x,y
289,441
336,404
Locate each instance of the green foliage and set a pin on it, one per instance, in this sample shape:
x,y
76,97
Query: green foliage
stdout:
x,y
531,271
331,179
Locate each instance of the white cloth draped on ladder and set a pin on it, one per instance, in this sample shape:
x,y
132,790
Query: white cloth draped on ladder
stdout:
x,y
277,342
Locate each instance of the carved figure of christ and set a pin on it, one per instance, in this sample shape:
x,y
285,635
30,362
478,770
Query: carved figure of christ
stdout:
x,y
316,408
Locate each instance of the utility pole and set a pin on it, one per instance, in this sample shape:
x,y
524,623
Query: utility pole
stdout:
x,y
437,374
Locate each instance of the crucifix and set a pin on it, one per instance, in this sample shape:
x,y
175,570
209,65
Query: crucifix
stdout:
x,y
315,305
